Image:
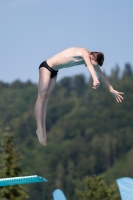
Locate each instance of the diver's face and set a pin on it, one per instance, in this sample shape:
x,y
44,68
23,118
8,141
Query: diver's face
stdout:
x,y
93,62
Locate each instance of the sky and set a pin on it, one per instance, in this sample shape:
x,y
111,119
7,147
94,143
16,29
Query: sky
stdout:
x,y
31,31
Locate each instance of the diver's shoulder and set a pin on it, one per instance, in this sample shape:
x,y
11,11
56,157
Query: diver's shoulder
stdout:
x,y
79,51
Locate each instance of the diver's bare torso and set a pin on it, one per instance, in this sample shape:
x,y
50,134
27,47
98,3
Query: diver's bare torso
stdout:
x,y
67,58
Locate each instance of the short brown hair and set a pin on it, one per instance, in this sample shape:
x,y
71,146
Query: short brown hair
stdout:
x,y
98,57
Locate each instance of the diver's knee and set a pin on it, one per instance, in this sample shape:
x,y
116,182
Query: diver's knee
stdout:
x,y
43,96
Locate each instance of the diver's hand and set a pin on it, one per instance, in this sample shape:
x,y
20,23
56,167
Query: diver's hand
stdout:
x,y
96,83
117,95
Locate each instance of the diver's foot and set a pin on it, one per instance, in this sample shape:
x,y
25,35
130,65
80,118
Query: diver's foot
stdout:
x,y
42,137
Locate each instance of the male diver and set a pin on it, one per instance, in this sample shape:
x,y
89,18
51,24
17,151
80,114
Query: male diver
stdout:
x,y
48,71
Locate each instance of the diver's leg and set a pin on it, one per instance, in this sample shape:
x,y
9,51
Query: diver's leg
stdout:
x,y
43,86
50,89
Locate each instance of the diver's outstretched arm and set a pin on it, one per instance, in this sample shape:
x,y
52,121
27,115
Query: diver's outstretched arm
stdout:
x,y
115,93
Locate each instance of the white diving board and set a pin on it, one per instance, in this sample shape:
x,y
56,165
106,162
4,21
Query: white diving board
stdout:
x,y
21,180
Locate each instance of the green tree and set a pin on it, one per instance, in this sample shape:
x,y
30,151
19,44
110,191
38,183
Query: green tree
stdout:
x,y
127,70
10,167
96,189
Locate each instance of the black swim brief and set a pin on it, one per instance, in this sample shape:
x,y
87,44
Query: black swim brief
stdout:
x,y
53,72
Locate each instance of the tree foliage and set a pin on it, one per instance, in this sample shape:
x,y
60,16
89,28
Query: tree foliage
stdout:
x,y
96,189
10,167
88,132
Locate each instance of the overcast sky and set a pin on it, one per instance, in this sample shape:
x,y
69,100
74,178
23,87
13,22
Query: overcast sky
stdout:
x,y
33,30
